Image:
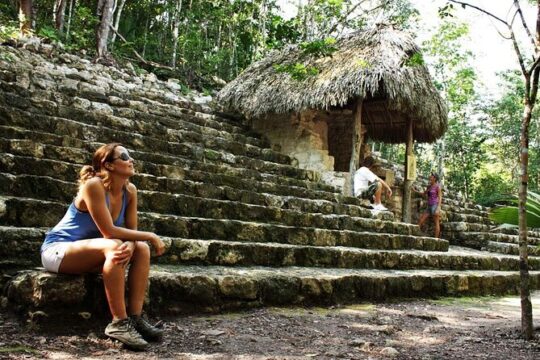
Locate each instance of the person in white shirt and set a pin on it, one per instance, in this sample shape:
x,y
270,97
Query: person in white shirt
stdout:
x,y
367,185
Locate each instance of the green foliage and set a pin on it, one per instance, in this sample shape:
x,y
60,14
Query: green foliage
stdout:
x,y
9,28
416,59
454,76
49,32
82,35
282,32
8,32
504,119
509,214
216,37
363,64
491,187
297,71
446,11
319,48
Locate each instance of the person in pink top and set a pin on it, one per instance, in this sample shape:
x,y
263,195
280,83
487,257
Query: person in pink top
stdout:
x,y
434,202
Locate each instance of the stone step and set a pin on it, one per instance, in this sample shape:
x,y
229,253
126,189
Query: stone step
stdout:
x,y
468,218
26,212
512,249
69,170
460,231
144,123
192,206
186,155
34,186
79,151
173,179
455,209
47,188
21,245
24,243
187,289
463,226
514,230
485,237
257,158
71,87
151,112
231,253
263,159
447,198
75,77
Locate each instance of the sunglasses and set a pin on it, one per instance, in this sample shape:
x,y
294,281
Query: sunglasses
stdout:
x,y
123,156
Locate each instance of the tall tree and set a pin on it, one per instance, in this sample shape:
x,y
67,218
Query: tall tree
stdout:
x,y
176,28
25,17
105,15
58,14
529,65
119,8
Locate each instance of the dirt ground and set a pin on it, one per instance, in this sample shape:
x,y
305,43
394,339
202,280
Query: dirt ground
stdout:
x,y
465,328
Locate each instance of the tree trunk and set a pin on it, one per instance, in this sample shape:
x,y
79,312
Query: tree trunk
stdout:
x,y
176,28
526,306
72,4
105,15
25,17
406,206
117,19
59,11
356,141
145,37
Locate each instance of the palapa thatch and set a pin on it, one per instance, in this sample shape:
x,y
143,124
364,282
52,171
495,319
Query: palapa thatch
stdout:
x,y
374,65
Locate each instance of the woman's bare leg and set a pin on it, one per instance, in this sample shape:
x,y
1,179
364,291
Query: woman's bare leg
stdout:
x,y
88,255
378,193
422,220
436,221
138,277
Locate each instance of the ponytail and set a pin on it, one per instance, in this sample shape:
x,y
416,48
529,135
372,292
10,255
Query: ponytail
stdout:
x,y
87,172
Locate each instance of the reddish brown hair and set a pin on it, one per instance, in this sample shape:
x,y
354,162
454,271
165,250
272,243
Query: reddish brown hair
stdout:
x,y
101,156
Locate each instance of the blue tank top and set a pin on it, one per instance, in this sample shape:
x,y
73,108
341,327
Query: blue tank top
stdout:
x,y
79,225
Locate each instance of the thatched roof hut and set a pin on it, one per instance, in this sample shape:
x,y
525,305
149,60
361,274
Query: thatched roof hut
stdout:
x,y
377,66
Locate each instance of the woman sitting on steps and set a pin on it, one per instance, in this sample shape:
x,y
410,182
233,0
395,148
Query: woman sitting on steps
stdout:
x,y
99,234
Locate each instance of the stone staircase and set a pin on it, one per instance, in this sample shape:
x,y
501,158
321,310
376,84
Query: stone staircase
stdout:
x,y
243,227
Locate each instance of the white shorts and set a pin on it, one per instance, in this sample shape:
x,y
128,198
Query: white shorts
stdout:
x,y
52,256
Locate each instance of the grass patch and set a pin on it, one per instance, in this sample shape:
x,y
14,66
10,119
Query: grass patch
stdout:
x,y
18,349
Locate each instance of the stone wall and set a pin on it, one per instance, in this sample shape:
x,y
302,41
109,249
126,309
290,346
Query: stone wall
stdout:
x,y
303,137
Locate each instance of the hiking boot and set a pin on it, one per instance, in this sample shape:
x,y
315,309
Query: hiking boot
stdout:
x,y
148,331
124,331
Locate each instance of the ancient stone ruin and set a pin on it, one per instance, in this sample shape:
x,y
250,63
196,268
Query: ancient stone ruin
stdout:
x,y
243,226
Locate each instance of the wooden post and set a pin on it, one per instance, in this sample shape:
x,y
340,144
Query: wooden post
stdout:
x,y
356,141
406,208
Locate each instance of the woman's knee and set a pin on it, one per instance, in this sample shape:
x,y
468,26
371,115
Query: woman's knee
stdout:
x,y
110,245
142,250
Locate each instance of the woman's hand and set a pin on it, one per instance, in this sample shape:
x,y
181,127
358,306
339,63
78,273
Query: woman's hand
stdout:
x,y
157,243
122,255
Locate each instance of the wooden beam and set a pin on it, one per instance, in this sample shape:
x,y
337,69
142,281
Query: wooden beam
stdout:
x,y
356,142
406,208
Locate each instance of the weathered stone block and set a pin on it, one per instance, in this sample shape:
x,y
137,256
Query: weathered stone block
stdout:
x,y
237,287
